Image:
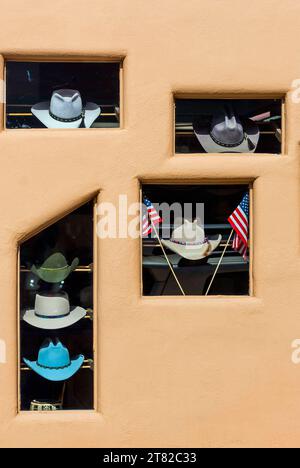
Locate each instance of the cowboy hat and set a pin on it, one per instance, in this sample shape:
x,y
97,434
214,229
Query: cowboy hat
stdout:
x,y
188,240
227,133
55,268
65,110
54,362
52,312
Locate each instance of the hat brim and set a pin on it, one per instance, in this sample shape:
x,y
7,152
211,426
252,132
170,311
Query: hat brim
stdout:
x,y
56,375
41,112
193,252
55,275
202,132
54,323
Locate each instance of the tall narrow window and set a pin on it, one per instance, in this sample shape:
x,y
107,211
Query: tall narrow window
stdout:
x,y
56,315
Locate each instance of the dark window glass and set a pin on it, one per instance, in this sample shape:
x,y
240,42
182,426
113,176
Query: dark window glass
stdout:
x,y
228,126
62,95
56,311
194,259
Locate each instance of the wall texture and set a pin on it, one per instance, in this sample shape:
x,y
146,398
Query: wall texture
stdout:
x,y
173,371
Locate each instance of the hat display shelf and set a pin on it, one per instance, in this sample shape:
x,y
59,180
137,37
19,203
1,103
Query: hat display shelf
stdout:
x,y
56,322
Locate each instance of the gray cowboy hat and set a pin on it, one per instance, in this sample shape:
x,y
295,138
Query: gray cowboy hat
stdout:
x,y
65,110
55,268
227,133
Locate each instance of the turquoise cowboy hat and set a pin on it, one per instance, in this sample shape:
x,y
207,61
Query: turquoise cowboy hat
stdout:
x,y
55,268
54,362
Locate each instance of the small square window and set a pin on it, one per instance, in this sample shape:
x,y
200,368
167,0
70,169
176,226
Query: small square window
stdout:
x,y
62,95
195,239
228,126
56,331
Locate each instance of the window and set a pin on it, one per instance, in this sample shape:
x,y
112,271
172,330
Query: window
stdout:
x,y
56,315
190,246
62,94
228,126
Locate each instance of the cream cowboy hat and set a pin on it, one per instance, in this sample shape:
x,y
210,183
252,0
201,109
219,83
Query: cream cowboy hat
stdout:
x,y
52,312
189,241
227,133
65,110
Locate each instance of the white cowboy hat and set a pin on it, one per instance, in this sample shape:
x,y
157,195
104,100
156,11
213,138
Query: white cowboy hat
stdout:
x,y
189,241
65,110
227,133
52,312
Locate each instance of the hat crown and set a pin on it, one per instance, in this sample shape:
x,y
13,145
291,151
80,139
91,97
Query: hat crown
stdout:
x,y
55,268
226,128
66,103
189,232
52,305
56,260
53,356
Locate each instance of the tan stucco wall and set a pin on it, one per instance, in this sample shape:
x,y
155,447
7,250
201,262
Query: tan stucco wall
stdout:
x,y
173,371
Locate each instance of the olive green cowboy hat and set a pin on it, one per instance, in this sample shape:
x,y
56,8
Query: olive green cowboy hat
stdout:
x,y
55,268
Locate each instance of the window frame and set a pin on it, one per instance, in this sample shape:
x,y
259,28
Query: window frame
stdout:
x,y
95,364
68,59
251,187
231,96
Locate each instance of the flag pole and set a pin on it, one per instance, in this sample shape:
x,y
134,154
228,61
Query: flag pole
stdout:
x,y
166,257
219,263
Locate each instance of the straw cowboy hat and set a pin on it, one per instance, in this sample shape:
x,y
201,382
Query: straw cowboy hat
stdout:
x,y
227,133
54,362
65,110
189,241
52,312
55,268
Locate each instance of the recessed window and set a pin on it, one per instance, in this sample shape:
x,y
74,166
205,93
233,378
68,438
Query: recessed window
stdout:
x,y
228,126
62,95
196,239
56,315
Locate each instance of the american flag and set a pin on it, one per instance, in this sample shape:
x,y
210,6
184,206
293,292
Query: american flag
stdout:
x,y
239,222
150,216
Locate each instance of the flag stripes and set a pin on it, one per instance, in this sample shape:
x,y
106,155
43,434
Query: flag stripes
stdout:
x,y
151,217
239,222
